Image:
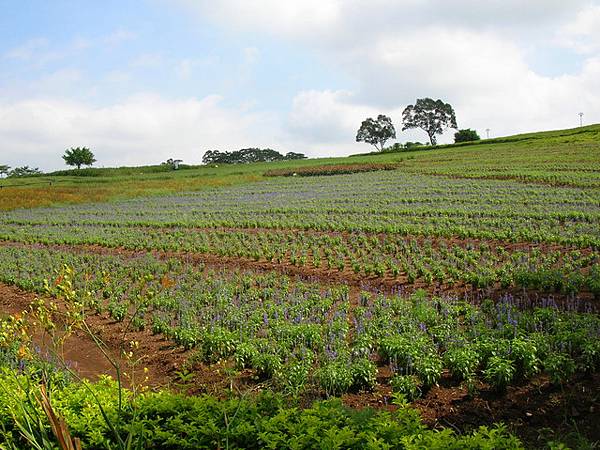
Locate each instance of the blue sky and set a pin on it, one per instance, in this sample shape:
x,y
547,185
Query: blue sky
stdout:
x,y
142,81
126,47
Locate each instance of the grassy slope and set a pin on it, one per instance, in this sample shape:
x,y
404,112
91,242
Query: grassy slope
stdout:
x,y
565,157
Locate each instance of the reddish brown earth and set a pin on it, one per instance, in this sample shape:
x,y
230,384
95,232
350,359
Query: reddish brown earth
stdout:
x,y
84,356
537,411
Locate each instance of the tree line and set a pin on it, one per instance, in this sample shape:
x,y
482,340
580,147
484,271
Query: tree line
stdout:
x,y
248,155
431,116
23,171
83,156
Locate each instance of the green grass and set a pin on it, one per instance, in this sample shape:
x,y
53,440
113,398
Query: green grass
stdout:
x,y
559,158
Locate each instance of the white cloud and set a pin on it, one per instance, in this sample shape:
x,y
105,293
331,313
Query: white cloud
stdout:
x,y
473,54
143,129
583,33
325,117
343,22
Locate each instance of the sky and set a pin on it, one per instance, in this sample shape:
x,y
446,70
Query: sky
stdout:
x,y
142,81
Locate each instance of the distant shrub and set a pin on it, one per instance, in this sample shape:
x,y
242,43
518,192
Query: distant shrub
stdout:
x,y
466,135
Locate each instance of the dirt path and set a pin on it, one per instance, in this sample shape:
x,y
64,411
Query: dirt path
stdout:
x,y
82,354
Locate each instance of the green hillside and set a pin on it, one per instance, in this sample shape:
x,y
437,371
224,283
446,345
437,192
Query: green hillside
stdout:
x,y
561,158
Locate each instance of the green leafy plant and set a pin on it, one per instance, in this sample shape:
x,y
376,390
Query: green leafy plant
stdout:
x,y
499,372
408,386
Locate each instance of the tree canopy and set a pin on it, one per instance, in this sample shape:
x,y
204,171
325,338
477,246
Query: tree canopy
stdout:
x,y
466,135
376,132
24,171
79,156
4,170
432,116
248,155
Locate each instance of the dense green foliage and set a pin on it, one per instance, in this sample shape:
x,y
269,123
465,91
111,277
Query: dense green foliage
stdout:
x,y
25,171
165,420
248,155
376,132
300,335
466,135
431,116
79,156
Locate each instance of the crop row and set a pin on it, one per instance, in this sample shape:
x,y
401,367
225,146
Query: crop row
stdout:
x,y
436,262
298,335
391,202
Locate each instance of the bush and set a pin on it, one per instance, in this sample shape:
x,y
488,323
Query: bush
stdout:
x,y
499,372
165,420
364,374
334,378
463,362
429,369
466,135
407,385
560,367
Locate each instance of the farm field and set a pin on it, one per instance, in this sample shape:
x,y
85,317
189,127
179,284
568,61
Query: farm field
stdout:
x,y
461,282
562,158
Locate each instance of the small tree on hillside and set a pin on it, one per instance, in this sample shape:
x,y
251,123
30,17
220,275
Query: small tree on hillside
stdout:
x,y
376,132
4,170
466,135
432,116
79,156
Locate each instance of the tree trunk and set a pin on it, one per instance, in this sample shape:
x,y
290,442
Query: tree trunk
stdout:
x,y
432,139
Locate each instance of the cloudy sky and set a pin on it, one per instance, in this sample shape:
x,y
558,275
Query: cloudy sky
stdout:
x,y
141,81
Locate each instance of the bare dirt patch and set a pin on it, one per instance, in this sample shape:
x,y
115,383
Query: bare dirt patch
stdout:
x,y
83,355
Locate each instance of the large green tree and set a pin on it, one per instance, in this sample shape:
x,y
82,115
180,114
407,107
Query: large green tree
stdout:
x,y
79,156
4,170
376,132
431,116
